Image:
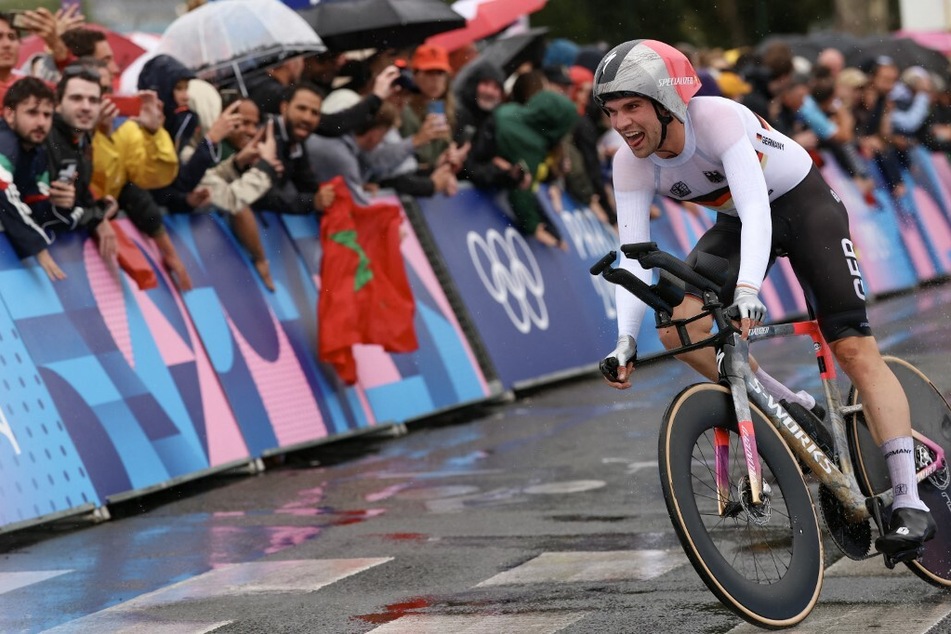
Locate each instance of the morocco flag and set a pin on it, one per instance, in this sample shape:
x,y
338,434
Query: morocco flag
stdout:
x,y
365,296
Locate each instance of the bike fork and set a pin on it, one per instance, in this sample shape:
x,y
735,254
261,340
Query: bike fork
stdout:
x,y
733,373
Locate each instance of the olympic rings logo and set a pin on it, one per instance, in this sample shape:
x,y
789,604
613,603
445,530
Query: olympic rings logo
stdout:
x,y
511,276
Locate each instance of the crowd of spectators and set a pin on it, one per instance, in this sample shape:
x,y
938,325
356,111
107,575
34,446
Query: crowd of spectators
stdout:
x,y
417,121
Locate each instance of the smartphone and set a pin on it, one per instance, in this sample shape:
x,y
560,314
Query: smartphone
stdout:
x,y
438,108
67,171
19,20
229,96
128,105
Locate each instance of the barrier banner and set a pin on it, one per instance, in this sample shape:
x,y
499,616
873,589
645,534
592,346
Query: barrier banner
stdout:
x,y
534,307
127,377
250,352
442,374
589,240
883,259
43,471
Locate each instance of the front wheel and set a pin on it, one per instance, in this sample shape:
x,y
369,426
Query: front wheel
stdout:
x,y
764,562
930,416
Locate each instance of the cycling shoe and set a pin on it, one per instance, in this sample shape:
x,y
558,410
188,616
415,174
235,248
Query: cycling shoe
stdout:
x,y
908,529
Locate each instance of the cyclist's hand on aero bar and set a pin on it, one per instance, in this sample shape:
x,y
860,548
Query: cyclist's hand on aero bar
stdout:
x,y
618,366
752,310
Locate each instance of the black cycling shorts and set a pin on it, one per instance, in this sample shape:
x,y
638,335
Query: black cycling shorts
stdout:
x,y
811,228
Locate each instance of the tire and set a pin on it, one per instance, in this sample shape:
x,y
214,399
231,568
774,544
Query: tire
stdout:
x,y
931,416
769,575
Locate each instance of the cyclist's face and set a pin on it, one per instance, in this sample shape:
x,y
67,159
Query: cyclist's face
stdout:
x,y
636,120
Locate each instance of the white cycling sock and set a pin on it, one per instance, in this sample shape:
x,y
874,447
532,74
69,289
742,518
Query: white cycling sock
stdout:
x,y
782,392
900,458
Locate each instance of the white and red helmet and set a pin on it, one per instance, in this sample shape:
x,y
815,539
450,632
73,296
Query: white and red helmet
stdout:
x,y
650,69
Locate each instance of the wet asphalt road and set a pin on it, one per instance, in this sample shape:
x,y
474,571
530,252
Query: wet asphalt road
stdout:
x,y
540,515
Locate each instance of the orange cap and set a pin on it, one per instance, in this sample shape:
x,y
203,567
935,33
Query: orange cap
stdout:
x,y
431,57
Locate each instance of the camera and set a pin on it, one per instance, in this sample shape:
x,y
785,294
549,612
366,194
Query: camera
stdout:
x,y
405,81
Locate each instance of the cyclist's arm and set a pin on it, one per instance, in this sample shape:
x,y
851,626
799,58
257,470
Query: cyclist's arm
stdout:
x,y
726,131
634,193
751,199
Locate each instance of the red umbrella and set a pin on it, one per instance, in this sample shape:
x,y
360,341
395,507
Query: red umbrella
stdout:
x,y
490,17
124,49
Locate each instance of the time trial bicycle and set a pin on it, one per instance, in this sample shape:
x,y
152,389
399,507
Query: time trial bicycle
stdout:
x,y
733,460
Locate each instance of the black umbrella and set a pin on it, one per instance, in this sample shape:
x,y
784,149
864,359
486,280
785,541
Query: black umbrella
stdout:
x,y
511,52
347,25
811,44
904,52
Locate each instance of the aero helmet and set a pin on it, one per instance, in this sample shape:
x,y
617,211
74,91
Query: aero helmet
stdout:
x,y
650,69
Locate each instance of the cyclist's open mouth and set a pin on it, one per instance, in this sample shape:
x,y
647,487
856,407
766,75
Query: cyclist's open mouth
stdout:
x,y
634,139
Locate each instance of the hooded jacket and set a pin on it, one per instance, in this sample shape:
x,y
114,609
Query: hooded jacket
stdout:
x,y
525,134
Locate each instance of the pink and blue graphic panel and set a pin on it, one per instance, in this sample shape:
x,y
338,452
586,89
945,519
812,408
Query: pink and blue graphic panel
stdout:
x,y
122,369
883,258
250,352
41,471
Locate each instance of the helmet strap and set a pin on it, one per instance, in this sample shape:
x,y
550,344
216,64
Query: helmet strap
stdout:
x,y
665,118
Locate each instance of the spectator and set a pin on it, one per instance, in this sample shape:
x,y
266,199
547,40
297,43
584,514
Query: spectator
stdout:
x,y
86,42
78,103
173,81
33,209
874,126
768,76
297,190
526,134
913,96
135,156
479,91
732,85
839,140
248,168
343,156
321,69
560,52
430,66
832,60
393,162
9,53
50,27
268,90
557,79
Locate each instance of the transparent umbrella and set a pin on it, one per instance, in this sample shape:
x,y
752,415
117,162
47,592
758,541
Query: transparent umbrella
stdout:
x,y
226,41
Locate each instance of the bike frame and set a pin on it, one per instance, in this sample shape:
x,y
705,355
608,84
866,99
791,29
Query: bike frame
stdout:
x,y
733,364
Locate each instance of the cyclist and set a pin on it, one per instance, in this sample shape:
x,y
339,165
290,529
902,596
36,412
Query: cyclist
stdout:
x,y
771,201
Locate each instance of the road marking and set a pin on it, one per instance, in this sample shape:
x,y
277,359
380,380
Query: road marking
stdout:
x,y
567,567
135,624
226,580
572,486
472,624
10,581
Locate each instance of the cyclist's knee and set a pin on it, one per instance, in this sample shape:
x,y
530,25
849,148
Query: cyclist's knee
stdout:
x,y
856,354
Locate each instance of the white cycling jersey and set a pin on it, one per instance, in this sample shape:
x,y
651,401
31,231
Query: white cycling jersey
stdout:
x,y
733,162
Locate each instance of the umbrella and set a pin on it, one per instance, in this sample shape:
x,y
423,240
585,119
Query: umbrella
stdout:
x,y
811,44
360,24
224,42
904,52
484,18
511,52
123,47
